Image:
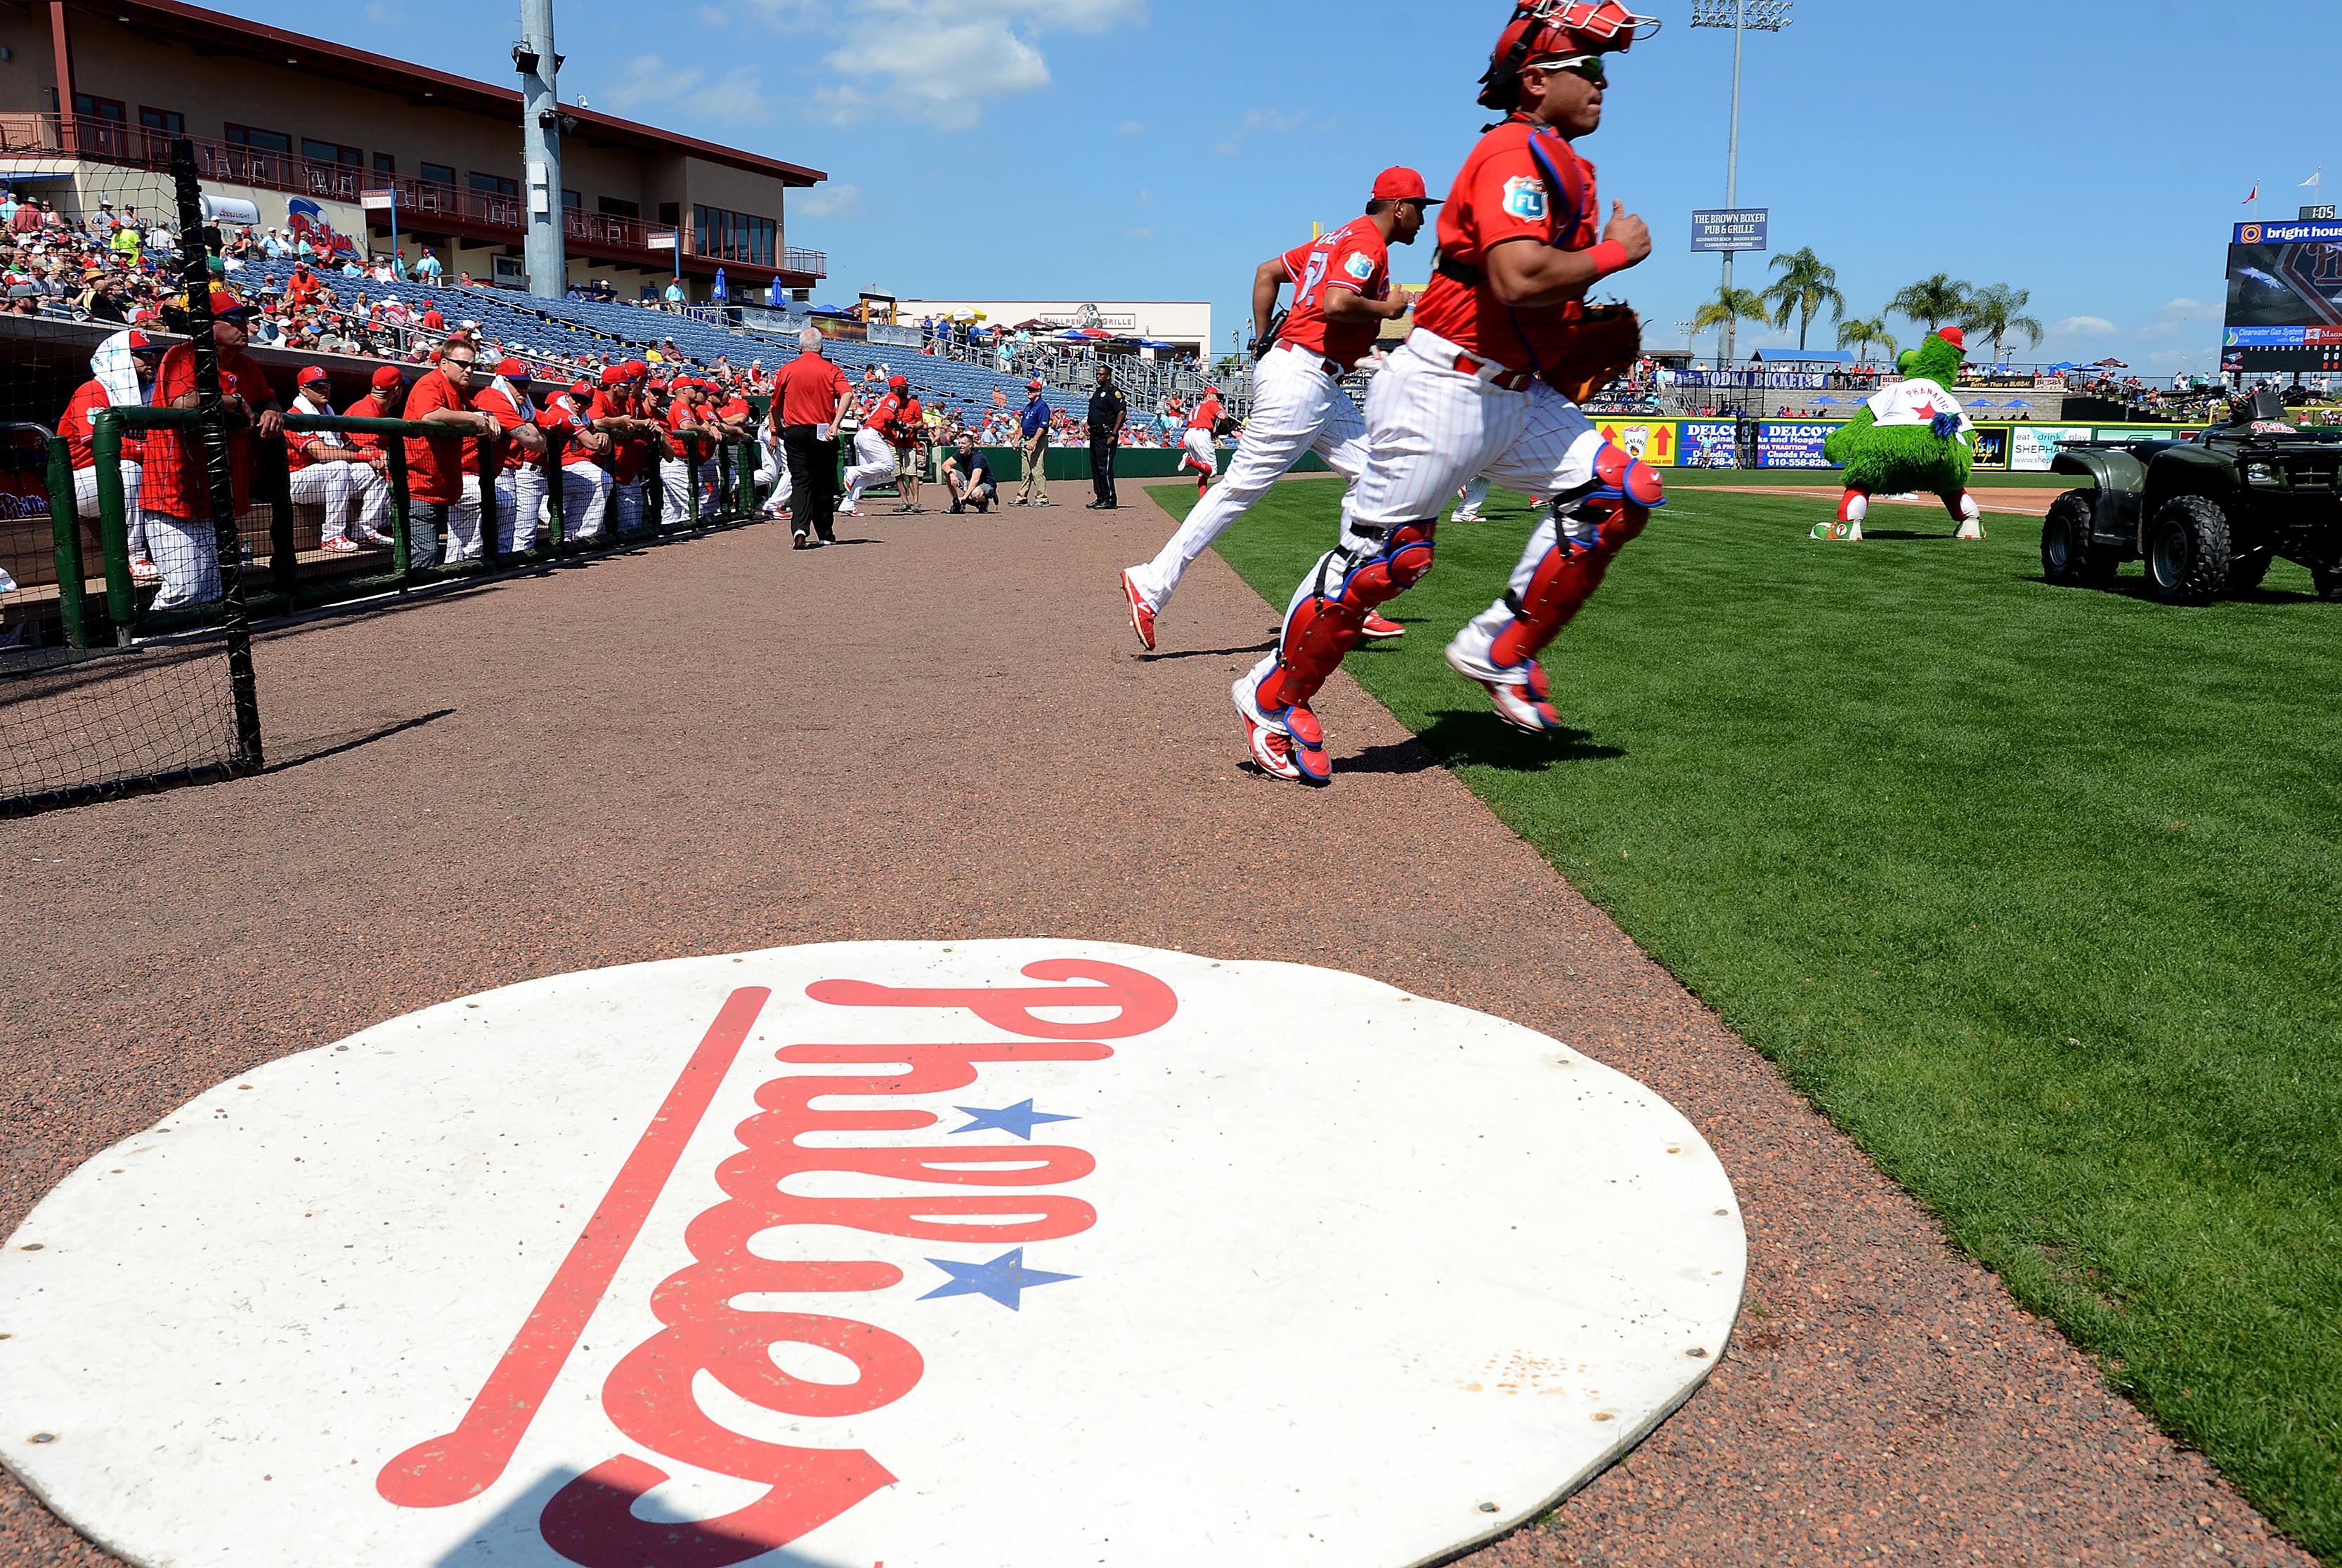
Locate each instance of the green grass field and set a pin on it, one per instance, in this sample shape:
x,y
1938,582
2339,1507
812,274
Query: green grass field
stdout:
x,y
2034,891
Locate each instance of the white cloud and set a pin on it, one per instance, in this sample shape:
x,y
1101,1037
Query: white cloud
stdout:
x,y
384,15
710,16
829,202
1130,128
1139,233
737,96
2177,317
941,60
1255,123
2082,326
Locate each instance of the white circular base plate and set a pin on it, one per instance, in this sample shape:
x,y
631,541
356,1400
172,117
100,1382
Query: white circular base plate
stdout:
x,y
1089,1254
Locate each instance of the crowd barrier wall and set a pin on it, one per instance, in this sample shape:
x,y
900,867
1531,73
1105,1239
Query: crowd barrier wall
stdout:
x,y
2019,447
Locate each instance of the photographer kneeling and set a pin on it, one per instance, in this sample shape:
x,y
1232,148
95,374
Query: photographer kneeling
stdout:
x,y
967,474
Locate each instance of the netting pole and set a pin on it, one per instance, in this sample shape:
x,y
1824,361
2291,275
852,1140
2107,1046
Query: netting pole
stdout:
x,y
235,620
113,528
557,532
402,557
488,453
64,521
273,470
691,480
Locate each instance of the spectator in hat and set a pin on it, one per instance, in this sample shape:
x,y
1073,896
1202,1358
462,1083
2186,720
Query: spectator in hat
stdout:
x,y
1033,432
120,372
330,472
177,493
435,465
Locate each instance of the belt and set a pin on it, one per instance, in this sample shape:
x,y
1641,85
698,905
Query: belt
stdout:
x,y
1327,365
1463,362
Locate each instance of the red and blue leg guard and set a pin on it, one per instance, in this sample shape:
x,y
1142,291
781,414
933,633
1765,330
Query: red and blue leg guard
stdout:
x,y
1585,541
1330,620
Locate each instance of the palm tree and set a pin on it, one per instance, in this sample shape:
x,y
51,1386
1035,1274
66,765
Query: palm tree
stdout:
x,y
1932,300
1806,285
1865,335
1997,311
1729,305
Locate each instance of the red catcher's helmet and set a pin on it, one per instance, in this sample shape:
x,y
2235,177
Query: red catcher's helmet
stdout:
x,y
1548,29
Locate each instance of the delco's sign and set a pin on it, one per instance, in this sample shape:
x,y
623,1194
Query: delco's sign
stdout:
x,y
1729,229
938,1255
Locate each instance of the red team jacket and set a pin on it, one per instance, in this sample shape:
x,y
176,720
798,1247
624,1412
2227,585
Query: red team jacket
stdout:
x,y
1353,257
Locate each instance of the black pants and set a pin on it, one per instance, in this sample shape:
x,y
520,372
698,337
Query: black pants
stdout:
x,y
1102,470
813,481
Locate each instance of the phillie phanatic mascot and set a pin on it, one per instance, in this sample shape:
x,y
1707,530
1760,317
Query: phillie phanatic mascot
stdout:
x,y
1912,438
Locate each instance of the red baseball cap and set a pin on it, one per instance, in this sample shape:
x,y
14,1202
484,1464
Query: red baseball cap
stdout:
x,y
1955,337
511,367
899,380
1032,386
635,368
1403,184
581,388
387,377
225,302
139,343
311,375
614,375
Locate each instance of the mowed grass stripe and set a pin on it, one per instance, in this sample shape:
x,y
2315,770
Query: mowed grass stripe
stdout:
x,y
2034,891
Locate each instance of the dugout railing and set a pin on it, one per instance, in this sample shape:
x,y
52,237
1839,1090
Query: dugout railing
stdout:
x,y
292,579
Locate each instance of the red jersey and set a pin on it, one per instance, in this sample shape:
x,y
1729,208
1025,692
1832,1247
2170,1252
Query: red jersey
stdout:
x,y
562,411
508,415
1353,257
1207,417
882,416
807,389
296,442
1506,191
175,483
735,408
910,424
367,407
435,465
78,426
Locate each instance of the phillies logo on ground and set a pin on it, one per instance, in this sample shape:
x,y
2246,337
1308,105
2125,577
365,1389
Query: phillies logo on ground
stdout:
x,y
974,1254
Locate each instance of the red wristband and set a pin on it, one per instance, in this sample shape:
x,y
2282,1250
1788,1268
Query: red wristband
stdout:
x,y
1609,256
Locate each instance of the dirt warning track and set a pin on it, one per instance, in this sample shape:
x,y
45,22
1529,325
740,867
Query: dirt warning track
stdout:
x,y
945,730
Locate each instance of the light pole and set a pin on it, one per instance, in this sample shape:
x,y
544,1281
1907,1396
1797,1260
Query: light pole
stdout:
x,y
1741,16
545,253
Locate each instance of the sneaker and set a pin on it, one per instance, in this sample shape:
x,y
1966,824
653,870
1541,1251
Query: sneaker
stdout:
x,y
800,542
1142,613
1376,626
1461,516
338,546
1519,692
1850,533
142,570
1972,528
1304,748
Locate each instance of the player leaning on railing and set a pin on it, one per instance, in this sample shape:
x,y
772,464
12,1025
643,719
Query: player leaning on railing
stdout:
x,y
1503,346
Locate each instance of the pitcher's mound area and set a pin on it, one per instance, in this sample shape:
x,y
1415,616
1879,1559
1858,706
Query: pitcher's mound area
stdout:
x,y
967,1255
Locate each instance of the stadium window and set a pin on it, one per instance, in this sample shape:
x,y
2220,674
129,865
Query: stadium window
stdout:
x,y
386,165
495,185
438,175
612,207
108,109
669,214
160,125
735,236
258,140
574,201
332,152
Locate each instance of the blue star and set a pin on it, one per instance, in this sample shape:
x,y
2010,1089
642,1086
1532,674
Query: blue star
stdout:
x,y
1019,1119
1001,1279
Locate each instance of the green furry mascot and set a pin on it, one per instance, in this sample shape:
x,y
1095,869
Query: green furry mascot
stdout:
x,y
1911,438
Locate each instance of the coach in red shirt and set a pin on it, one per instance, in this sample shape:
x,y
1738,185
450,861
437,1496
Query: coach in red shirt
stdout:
x,y
178,493
435,465
810,397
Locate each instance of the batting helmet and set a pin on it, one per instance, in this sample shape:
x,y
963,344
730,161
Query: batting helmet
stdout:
x,y
1551,29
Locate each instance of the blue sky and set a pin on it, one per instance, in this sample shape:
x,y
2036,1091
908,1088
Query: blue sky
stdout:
x,y
2089,151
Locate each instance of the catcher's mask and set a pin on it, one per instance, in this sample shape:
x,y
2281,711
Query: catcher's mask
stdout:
x,y
1550,29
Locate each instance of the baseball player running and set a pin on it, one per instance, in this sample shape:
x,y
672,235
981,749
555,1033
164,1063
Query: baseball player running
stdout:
x,y
1341,297
1202,456
1486,385
874,448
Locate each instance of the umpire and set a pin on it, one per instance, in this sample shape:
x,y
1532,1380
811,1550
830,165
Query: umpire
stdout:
x,y
1108,409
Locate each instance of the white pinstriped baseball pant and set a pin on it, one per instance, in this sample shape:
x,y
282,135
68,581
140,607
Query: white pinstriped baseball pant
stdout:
x,y
1430,428
1297,407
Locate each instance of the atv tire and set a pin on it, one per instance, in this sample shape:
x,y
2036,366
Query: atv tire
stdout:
x,y
2188,551
2245,573
2068,557
2327,582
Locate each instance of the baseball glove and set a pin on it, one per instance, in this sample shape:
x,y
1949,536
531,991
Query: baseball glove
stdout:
x,y
1603,344
1267,340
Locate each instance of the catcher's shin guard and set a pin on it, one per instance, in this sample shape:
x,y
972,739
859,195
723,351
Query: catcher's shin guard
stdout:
x,y
1331,619
1583,545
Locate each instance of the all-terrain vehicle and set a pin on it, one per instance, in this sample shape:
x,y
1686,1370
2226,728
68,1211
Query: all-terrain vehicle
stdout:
x,y
2206,515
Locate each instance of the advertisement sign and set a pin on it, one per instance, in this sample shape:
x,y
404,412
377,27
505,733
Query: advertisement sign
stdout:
x,y
1729,229
1766,380
1654,443
1990,448
2280,232
2031,446
1705,444
1792,444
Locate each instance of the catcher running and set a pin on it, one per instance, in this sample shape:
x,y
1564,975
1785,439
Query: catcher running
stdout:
x,y
1487,384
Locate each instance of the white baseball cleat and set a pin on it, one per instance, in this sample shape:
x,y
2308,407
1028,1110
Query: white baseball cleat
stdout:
x,y
1973,528
1518,693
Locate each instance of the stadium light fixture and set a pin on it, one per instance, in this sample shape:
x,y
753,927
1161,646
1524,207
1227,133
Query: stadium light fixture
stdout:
x,y
1742,16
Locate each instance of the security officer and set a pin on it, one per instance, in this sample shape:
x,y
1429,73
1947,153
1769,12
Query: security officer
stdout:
x,y
1108,409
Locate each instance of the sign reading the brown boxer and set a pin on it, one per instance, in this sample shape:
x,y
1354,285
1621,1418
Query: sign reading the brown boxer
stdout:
x,y
923,1253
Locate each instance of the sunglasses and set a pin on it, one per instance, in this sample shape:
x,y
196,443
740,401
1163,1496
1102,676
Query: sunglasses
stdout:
x,y
458,364
1589,66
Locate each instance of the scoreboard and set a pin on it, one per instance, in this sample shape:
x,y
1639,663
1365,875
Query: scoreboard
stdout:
x,y
2285,295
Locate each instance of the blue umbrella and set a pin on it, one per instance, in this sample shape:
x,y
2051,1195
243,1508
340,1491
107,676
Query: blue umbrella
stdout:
x,y
720,292
1819,401
2016,403
1980,403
